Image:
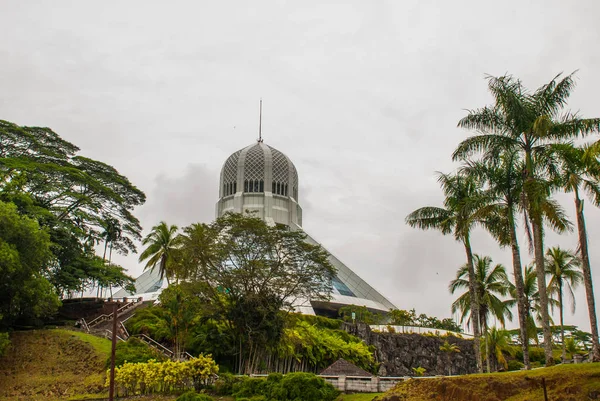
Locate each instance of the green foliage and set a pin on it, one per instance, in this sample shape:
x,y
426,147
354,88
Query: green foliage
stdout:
x,y
321,347
157,377
133,351
226,383
193,396
410,318
4,343
515,365
25,293
420,371
572,346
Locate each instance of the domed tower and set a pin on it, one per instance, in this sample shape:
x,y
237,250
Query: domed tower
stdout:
x,y
260,179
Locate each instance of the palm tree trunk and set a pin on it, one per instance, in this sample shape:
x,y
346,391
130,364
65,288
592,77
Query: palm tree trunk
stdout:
x,y
487,345
522,306
538,244
474,305
587,277
562,328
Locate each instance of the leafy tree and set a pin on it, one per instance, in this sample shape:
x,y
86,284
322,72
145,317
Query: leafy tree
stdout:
x,y
502,177
161,249
80,193
449,349
457,217
572,346
491,283
246,272
563,269
528,122
579,172
25,293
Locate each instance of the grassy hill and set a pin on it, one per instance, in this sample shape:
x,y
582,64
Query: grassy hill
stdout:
x,y
563,382
53,365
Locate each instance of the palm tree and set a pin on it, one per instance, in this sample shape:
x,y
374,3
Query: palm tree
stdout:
x,y
563,268
491,283
580,172
503,179
462,199
527,122
162,244
499,343
449,349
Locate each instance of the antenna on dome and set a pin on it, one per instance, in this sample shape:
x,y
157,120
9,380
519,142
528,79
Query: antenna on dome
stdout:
x,y
260,123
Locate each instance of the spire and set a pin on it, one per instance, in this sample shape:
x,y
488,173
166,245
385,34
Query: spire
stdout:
x,y
260,123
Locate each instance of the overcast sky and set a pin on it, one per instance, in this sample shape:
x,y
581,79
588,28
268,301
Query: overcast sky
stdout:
x,y
363,96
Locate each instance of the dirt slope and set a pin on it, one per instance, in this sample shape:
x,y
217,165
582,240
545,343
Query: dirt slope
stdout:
x,y
51,365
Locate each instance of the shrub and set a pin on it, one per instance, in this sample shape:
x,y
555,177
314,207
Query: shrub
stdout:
x,y
303,387
250,386
192,396
515,365
225,383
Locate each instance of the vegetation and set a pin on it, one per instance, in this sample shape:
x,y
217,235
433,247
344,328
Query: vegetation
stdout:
x,y
163,377
563,382
520,155
410,318
449,349
55,207
457,218
563,268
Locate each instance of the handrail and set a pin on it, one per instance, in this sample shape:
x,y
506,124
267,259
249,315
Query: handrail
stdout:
x,y
154,343
84,324
109,335
105,317
124,329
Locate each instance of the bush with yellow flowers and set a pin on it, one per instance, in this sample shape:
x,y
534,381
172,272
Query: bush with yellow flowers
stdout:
x,y
161,377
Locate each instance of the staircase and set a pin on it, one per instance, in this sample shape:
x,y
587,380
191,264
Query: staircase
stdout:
x,y
102,326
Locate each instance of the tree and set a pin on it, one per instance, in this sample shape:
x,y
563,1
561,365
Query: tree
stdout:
x,y
528,122
580,172
572,346
248,272
457,217
563,269
449,349
491,283
80,193
25,293
498,341
502,176
162,245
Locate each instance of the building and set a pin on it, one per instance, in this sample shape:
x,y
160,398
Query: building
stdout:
x,y
262,180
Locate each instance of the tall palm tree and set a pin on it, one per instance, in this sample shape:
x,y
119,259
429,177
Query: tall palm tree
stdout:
x,y
563,268
580,172
462,199
162,245
527,122
491,284
502,176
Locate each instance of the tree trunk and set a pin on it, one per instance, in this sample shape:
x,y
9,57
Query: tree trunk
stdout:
x,y
587,277
563,355
473,291
538,244
487,345
522,306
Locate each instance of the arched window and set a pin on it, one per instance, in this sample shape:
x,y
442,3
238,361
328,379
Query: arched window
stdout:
x,y
246,186
278,188
261,187
273,190
286,192
234,187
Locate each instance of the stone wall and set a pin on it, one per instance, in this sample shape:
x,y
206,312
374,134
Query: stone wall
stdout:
x,y
399,353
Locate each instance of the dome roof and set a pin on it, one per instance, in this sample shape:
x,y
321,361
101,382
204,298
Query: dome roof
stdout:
x,y
262,165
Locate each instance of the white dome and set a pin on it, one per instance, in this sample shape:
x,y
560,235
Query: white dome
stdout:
x,y
259,168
